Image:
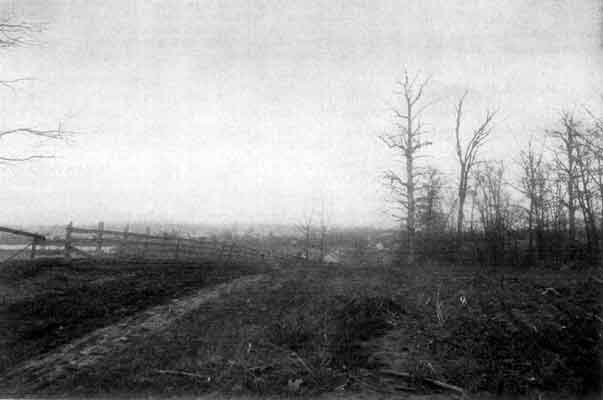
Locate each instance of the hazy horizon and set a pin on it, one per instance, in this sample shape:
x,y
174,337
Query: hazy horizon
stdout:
x,y
259,112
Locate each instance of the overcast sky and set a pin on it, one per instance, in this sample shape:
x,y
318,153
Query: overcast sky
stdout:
x,y
257,111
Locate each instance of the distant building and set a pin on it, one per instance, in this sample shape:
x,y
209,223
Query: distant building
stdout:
x,y
332,257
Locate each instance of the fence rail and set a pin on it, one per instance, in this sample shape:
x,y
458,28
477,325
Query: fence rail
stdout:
x,y
31,246
102,243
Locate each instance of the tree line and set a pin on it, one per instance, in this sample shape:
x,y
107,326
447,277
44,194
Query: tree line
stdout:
x,y
550,212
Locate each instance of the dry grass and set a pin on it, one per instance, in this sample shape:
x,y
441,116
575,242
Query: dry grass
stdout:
x,y
311,330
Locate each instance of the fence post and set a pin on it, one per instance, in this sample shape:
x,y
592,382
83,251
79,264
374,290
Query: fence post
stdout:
x,y
33,248
177,251
99,239
68,232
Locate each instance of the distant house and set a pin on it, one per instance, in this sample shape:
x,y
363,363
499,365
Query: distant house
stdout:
x,y
332,257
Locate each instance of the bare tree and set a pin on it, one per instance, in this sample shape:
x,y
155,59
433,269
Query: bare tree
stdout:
x,y
533,186
432,218
596,120
306,228
494,206
467,155
323,230
566,154
585,193
593,141
14,35
407,141
431,215
557,205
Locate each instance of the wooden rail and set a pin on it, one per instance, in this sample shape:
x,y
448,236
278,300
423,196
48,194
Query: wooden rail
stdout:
x,y
32,245
22,233
105,243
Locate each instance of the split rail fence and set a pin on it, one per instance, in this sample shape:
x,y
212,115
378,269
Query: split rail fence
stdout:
x,y
100,243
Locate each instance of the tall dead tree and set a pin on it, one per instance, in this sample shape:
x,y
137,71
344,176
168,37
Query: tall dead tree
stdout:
x,y
13,35
406,142
467,156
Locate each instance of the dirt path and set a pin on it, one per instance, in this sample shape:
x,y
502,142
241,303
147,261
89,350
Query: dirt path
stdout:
x,y
33,374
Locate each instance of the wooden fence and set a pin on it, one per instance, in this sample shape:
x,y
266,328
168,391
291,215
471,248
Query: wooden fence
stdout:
x,y
30,246
101,243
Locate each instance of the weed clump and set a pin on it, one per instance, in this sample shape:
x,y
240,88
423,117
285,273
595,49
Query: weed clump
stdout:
x,y
545,342
359,321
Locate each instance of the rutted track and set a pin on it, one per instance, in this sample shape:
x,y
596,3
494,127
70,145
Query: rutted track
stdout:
x,y
49,304
32,375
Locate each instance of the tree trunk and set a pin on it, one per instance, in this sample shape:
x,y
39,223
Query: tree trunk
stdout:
x,y
531,230
307,244
571,196
410,184
461,211
571,209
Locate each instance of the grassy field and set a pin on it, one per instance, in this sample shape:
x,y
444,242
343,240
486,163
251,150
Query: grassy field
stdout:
x,y
307,330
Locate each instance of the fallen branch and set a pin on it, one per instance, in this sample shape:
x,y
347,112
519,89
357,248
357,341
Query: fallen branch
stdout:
x,y
183,373
550,289
595,316
303,363
293,356
370,386
261,368
403,388
434,382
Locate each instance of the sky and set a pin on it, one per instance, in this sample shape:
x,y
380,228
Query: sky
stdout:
x,y
263,111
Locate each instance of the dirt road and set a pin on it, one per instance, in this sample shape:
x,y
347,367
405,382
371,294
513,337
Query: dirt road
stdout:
x,y
35,374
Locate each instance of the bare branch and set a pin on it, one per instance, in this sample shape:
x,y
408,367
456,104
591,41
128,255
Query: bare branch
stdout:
x,y
422,86
457,128
58,133
27,158
15,35
10,84
467,155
